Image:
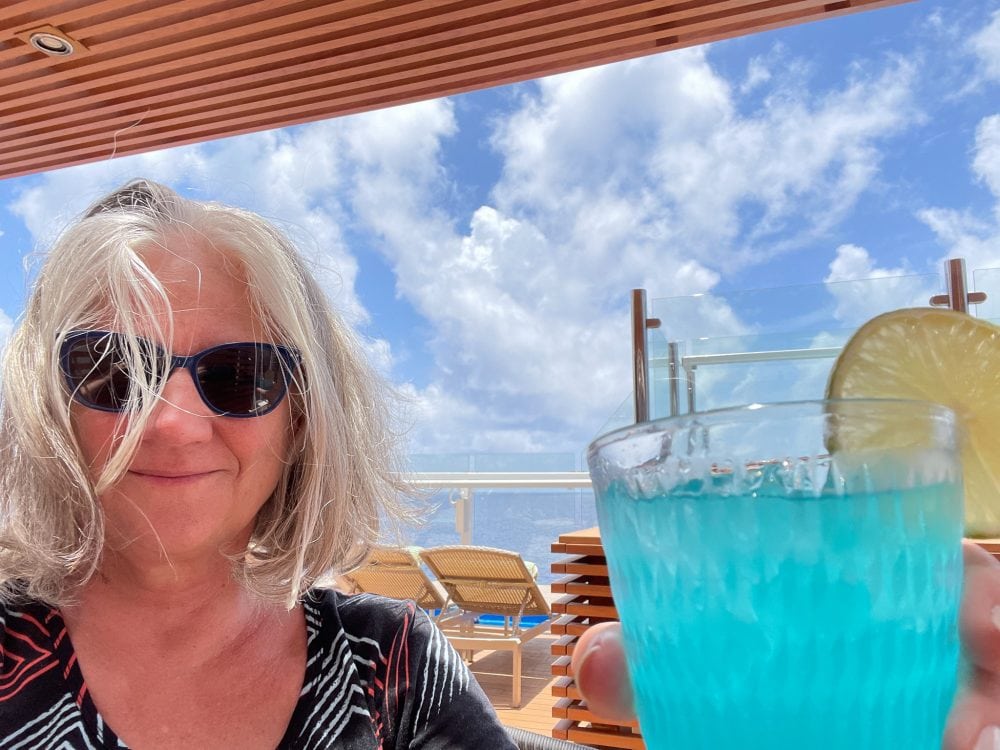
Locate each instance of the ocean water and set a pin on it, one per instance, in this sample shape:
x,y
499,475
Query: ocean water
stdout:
x,y
767,622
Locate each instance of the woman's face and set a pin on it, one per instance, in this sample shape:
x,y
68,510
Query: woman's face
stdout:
x,y
198,479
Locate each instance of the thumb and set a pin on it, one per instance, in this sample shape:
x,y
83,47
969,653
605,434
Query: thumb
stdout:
x,y
598,665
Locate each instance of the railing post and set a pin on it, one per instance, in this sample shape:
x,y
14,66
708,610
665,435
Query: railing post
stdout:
x,y
958,298
640,356
464,509
673,375
689,378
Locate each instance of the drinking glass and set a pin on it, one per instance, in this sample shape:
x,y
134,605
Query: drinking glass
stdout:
x,y
787,575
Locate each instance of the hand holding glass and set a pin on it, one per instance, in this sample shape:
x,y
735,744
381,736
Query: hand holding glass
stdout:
x,y
788,575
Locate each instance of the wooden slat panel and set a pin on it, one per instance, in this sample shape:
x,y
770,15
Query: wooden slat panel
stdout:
x,y
588,602
604,737
577,549
268,45
162,73
563,646
575,709
990,545
148,128
562,600
583,536
574,625
110,28
582,565
560,709
565,687
463,40
586,586
560,667
561,730
586,608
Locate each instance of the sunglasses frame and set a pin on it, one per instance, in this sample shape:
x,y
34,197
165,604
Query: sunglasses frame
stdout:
x,y
289,360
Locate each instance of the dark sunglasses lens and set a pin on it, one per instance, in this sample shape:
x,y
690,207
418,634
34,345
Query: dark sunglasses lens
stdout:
x,y
242,380
98,371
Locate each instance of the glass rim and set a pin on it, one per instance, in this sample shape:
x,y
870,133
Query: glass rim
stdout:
x,y
742,412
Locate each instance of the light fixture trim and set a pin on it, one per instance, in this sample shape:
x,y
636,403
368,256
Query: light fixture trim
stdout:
x,y
51,44
52,41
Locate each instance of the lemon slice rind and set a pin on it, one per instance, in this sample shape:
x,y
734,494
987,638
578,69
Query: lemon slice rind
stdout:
x,y
943,357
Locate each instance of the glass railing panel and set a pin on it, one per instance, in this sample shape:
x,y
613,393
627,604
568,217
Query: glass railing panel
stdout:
x,y
777,344
529,521
803,308
622,416
770,341
664,379
439,525
437,462
521,462
986,280
735,384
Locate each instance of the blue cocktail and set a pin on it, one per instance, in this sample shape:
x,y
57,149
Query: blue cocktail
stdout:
x,y
787,576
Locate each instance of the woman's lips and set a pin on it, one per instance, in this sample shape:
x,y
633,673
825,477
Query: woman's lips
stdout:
x,y
169,477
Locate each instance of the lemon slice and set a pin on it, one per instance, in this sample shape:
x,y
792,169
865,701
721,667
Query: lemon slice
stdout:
x,y
945,357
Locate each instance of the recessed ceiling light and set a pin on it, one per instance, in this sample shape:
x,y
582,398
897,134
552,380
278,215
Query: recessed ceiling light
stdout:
x,y
51,44
52,41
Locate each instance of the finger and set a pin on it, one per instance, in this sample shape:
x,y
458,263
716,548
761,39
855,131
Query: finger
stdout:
x,y
973,722
598,665
980,616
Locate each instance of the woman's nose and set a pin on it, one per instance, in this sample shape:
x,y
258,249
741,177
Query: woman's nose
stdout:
x,y
180,415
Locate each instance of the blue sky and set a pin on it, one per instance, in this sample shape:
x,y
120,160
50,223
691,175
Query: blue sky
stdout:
x,y
485,245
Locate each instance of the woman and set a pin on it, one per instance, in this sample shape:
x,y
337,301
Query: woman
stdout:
x,y
190,440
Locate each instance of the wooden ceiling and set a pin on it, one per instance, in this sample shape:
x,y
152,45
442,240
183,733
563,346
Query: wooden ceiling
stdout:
x,y
160,73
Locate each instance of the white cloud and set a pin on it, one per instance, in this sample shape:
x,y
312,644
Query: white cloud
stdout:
x,y
56,198
853,262
816,316
6,327
531,337
661,138
443,421
986,163
287,175
985,46
379,354
632,175
966,234
758,73
863,290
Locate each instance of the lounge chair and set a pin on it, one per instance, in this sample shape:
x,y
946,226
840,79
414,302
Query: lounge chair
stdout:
x,y
396,572
484,580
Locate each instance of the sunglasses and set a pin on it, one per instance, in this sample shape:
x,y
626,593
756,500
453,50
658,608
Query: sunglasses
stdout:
x,y
246,379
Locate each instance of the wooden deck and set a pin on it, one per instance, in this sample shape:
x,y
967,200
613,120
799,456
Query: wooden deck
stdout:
x,y
493,670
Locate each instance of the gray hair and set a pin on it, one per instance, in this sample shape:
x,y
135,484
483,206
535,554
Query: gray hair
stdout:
x,y
341,481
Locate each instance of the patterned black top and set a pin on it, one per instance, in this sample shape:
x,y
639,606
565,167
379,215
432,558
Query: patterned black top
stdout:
x,y
379,676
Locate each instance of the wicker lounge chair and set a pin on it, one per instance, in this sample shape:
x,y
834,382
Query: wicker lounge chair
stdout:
x,y
396,572
483,580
